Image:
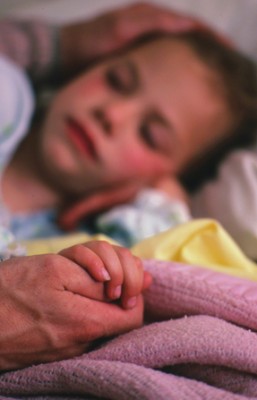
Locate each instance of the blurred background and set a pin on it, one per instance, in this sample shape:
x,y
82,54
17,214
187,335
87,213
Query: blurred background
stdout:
x,y
236,18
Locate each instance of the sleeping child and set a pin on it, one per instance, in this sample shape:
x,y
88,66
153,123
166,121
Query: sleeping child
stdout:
x,y
126,124
133,120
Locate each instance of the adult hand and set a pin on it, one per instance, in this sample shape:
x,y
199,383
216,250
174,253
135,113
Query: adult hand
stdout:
x,y
45,313
86,41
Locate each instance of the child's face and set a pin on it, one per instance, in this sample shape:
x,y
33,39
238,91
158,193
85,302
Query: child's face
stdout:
x,y
137,116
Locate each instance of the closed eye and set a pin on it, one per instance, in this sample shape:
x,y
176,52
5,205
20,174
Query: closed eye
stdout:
x,y
147,136
123,78
156,133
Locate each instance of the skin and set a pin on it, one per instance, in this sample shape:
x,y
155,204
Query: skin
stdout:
x,y
83,42
52,306
145,119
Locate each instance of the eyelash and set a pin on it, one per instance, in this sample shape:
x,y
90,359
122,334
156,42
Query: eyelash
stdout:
x,y
114,80
154,131
147,136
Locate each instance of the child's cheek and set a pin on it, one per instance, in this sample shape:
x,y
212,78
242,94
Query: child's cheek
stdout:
x,y
90,86
141,163
84,92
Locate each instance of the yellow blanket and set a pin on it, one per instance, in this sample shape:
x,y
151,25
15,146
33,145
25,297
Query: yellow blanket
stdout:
x,y
201,242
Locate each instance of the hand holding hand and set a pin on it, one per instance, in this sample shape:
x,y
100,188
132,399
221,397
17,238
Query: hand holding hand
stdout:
x,y
46,312
115,266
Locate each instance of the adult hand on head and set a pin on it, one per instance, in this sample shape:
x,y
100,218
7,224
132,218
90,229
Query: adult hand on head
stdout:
x,y
86,41
46,312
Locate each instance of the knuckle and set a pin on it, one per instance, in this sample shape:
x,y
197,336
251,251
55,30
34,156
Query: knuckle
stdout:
x,y
124,252
51,261
76,250
138,262
130,291
104,246
51,265
122,29
118,30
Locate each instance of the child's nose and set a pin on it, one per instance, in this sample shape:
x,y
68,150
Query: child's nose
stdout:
x,y
112,115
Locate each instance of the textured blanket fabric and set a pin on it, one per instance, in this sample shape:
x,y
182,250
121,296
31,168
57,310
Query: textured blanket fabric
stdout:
x,y
202,344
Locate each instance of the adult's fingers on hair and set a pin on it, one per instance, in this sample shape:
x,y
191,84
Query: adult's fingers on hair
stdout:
x,y
136,20
140,19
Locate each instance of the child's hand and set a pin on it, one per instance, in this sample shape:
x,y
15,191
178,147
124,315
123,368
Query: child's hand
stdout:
x,y
115,266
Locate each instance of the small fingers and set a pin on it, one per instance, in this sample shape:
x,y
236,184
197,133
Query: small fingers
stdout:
x,y
87,259
112,264
100,260
133,277
148,279
121,271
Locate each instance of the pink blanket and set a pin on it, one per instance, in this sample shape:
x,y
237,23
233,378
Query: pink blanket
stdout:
x,y
203,347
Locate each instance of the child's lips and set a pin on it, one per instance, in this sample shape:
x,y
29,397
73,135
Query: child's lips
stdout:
x,y
79,136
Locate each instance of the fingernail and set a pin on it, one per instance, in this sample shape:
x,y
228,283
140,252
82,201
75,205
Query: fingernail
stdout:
x,y
105,274
117,292
131,302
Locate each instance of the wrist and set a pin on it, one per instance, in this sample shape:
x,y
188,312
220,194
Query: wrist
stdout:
x,y
65,48
72,45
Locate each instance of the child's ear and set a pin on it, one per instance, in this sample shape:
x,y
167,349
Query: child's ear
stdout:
x,y
97,202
